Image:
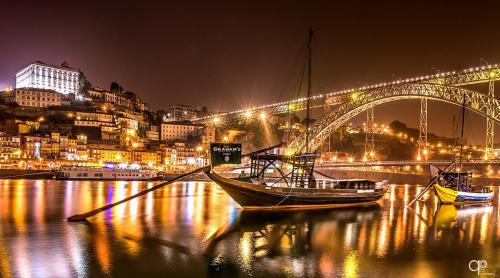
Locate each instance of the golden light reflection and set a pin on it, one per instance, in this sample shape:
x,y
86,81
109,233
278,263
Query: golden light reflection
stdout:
x,y
19,205
351,265
345,242
382,242
326,265
102,248
350,235
246,250
39,205
483,230
5,268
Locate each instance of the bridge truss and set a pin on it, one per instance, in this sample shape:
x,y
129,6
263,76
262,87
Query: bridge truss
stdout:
x,y
474,101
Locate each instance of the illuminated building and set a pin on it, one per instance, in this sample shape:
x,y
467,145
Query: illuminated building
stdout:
x,y
38,147
145,158
180,113
10,146
16,126
62,79
153,133
68,148
81,147
110,133
180,157
208,135
128,123
98,94
30,97
110,155
179,131
93,119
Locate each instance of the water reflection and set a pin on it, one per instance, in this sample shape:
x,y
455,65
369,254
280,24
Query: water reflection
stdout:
x,y
194,229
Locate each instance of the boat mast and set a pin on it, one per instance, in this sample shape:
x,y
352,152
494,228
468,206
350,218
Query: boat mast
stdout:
x,y
309,48
462,141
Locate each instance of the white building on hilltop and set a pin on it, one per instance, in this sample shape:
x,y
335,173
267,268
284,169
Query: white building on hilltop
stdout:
x,y
62,79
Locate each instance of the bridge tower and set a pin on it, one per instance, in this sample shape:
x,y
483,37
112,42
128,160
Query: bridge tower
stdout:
x,y
490,125
422,138
369,135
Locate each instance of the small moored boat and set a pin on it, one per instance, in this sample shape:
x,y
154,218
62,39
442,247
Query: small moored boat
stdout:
x,y
457,188
91,173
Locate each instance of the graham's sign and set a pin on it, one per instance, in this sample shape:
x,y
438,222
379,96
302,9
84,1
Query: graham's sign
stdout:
x,y
225,153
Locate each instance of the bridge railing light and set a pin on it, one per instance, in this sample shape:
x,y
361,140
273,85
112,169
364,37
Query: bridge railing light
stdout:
x,y
216,120
492,71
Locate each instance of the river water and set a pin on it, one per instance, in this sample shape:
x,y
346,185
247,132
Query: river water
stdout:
x,y
193,229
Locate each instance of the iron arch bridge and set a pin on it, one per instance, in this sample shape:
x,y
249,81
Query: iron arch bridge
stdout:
x,y
359,102
470,76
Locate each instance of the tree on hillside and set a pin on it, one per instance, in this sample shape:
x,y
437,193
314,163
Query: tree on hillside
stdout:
x,y
130,95
398,126
58,118
115,87
12,106
84,83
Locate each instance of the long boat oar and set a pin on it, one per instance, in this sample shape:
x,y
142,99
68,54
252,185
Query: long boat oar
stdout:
x,y
431,183
83,217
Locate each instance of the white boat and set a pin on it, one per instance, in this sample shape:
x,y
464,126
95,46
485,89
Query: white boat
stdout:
x,y
90,173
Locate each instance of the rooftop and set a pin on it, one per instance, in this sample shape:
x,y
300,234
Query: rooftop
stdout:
x,y
63,66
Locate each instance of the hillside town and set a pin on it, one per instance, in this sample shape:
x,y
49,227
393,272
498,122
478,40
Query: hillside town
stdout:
x,y
54,117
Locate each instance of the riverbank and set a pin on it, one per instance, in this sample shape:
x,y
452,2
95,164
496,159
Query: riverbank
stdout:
x,y
26,174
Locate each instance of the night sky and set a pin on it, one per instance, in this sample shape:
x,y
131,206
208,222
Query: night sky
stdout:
x,y
229,55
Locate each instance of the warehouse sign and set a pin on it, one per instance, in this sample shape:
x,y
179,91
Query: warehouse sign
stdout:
x,y
225,153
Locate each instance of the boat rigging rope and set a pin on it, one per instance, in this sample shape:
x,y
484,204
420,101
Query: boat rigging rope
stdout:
x,y
286,197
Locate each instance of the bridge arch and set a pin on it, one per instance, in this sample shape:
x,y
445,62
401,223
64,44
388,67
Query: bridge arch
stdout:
x,y
361,101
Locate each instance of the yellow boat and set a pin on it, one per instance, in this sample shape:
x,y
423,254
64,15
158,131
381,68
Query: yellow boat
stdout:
x,y
452,196
446,195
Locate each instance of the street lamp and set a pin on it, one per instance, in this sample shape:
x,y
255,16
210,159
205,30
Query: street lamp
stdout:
x,y
248,114
216,120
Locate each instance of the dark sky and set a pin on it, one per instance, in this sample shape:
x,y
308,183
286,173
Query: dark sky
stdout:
x,y
228,55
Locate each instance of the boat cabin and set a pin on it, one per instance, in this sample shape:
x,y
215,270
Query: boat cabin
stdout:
x,y
461,181
300,175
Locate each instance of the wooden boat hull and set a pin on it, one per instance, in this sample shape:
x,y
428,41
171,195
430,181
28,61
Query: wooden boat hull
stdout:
x,y
450,196
252,196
